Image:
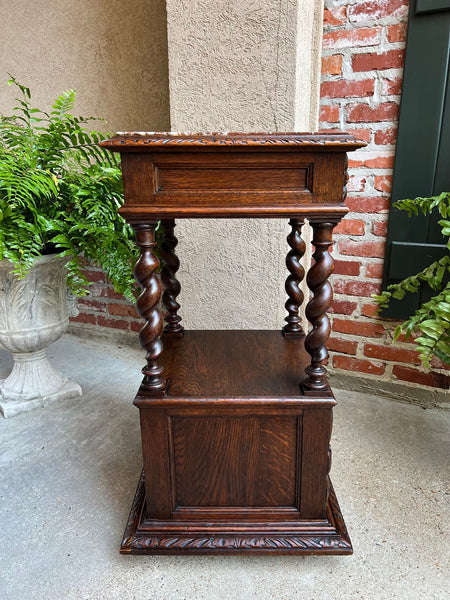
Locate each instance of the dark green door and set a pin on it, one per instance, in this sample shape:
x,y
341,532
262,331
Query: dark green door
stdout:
x,y
422,159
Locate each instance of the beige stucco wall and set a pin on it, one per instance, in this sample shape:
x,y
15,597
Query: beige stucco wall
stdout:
x,y
240,66
113,53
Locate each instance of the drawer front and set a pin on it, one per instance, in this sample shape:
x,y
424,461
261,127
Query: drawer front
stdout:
x,y
225,184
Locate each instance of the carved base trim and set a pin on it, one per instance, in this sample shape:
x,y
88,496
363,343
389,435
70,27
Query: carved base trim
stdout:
x,y
174,537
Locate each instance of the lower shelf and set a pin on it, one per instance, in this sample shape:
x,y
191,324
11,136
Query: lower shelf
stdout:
x,y
176,537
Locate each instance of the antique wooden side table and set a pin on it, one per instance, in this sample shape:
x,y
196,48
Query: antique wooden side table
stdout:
x,y
235,425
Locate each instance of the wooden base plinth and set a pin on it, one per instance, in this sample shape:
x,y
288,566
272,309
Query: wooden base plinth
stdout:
x,y
168,537
236,458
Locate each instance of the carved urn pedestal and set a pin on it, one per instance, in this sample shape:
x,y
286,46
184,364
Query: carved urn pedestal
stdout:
x,y
235,425
33,314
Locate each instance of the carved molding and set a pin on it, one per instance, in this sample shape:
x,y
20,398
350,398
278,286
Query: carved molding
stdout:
x,y
141,138
242,542
135,513
142,541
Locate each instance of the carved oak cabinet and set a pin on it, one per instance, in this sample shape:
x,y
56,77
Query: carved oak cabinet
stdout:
x,y
235,425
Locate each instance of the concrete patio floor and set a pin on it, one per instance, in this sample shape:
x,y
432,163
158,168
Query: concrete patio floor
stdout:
x,y
69,471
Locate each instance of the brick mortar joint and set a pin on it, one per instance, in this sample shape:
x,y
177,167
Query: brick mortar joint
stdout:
x,y
384,342
109,316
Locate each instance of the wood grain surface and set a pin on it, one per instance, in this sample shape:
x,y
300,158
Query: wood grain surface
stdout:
x,y
234,364
241,461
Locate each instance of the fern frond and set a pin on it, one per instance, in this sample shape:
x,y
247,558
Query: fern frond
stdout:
x,y
63,104
432,322
59,188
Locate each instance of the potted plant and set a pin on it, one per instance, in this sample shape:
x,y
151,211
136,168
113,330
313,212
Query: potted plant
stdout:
x,y
431,322
59,194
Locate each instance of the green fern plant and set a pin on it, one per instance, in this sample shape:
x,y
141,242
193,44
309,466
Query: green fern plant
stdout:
x,y
59,192
431,322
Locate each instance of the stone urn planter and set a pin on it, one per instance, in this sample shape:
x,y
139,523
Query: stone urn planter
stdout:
x,y
34,313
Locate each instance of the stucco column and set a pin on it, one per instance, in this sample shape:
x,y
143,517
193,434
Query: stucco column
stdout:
x,y
240,66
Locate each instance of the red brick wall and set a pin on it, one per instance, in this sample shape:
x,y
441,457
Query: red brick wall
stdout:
x,y
363,54
103,307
